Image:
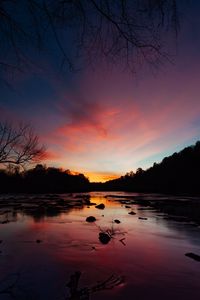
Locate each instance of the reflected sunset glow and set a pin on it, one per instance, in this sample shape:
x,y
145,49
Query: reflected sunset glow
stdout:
x,y
139,250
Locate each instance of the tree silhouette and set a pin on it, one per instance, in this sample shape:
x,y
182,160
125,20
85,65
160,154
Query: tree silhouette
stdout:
x,y
42,179
19,145
176,173
119,31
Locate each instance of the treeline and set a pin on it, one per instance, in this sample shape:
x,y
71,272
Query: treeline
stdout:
x,y
42,180
177,173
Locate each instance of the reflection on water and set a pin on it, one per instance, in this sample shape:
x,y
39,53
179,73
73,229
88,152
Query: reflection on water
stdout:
x,y
45,242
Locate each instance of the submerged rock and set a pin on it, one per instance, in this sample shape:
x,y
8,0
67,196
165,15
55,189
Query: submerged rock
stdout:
x,y
5,222
193,256
104,238
100,206
90,219
142,218
91,204
38,241
127,206
117,221
132,213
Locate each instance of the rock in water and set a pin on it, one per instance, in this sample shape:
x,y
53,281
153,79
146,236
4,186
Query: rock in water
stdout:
x,y
100,206
117,221
90,219
193,256
104,238
132,213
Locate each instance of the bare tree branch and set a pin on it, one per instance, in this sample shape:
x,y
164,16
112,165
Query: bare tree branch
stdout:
x,y
19,145
127,31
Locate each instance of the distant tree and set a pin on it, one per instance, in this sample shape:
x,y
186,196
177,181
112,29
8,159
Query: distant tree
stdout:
x,y
139,171
40,168
130,174
19,145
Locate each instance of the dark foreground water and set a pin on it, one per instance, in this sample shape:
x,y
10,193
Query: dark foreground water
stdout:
x,y
40,250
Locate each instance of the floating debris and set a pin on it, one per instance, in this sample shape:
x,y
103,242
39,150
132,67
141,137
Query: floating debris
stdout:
x,y
38,241
193,256
127,206
85,292
122,241
90,219
142,218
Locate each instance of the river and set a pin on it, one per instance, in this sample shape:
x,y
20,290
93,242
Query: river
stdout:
x,y
42,255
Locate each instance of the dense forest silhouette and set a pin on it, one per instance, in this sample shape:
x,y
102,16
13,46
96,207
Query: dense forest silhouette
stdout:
x,y
178,173
42,180
174,174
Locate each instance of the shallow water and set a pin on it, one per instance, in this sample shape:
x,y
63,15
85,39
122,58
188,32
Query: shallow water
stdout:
x,y
146,258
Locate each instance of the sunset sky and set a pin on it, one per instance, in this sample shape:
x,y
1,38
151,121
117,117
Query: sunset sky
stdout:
x,y
104,122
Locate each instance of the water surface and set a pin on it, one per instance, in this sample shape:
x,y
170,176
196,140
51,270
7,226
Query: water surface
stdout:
x,y
144,259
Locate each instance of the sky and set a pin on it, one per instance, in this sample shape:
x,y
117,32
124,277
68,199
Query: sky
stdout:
x,y
104,122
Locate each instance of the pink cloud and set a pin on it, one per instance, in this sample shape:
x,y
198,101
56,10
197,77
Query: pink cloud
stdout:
x,y
111,123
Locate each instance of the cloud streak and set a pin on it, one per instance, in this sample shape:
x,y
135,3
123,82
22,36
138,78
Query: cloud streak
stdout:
x,y
105,127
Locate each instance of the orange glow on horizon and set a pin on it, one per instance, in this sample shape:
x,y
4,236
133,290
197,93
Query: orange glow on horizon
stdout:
x,y
100,177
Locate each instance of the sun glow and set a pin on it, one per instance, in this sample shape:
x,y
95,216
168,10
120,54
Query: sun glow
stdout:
x,y
101,177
